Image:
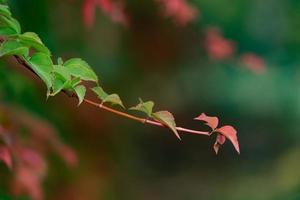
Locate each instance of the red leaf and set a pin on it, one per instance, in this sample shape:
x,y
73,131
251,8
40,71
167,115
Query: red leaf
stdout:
x,y
230,133
212,122
218,47
88,12
114,9
33,160
5,156
179,10
68,155
219,141
253,62
27,182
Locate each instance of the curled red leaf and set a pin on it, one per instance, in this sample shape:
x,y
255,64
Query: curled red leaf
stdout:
x,y
219,142
230,133
5,156
212,122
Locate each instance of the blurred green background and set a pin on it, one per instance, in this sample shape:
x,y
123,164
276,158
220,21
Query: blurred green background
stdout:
x,y
158,60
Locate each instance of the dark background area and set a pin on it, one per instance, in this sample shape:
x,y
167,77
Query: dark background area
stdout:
x,y
158,60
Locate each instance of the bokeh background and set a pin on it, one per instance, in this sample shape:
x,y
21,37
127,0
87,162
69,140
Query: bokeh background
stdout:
x,y
157,59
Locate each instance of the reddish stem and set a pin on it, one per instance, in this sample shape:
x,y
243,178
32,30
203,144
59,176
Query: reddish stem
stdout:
x,y
143,120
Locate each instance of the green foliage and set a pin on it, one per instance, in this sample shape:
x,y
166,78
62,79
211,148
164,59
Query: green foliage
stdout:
x,y
32,40
12,47
79,68
145,107
104,97
166,118
42,65
80,91
63,76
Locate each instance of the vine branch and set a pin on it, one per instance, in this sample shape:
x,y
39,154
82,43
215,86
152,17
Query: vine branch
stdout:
x,y
117,112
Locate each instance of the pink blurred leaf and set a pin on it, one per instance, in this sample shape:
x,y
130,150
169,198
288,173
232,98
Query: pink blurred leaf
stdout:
x,y
88,12
68,155
230,133
115,10
218,47
5,156
253,62
219,142
179,10
33,160
212,122
27,182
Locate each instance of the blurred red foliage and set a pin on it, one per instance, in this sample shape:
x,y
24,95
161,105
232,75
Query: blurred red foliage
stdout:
x,y
179,10
111,8
26,141
218,47
253,62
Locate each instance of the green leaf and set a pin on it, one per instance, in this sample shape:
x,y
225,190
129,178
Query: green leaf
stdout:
x,y
10,23
101,94
61,79
42,65
166,118
58,84
80,91
60,61
11,47
4,10
6,31
74,82
145,107
112,98
79,68
61,70
32,40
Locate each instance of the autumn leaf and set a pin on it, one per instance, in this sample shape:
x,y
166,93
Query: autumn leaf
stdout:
x,y
230,133
166,118
145,107
219,142
5,156
212,122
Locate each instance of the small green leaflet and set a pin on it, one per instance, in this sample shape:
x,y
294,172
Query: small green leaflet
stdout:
x,y
80,91
11,47
58,84
32,40
114,99
111,98
61,78
74,82
101,94
145,107
60,61
79,68
4,10
166,118
42,65
61,70
9,24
